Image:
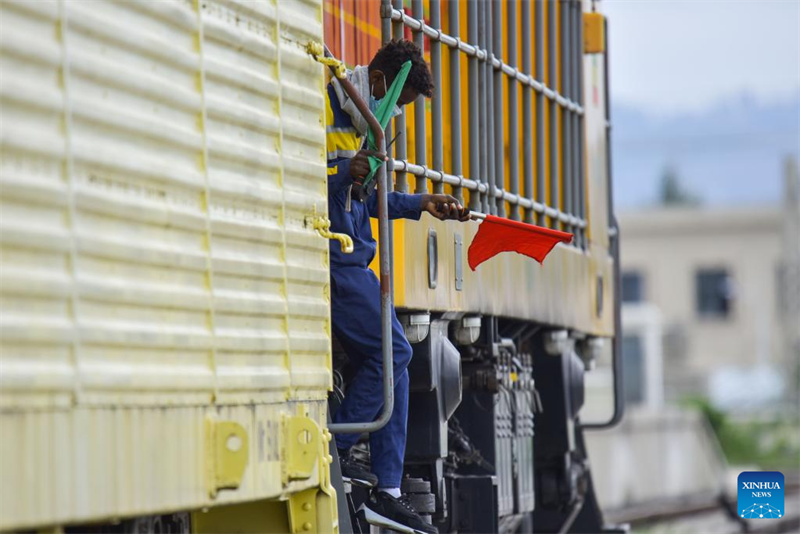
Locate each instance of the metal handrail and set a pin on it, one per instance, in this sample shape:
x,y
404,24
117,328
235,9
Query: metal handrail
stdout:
x,y
472,185
614,234
385,274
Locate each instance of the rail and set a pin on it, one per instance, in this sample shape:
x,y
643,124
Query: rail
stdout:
x,y
385,272
614,235
554,196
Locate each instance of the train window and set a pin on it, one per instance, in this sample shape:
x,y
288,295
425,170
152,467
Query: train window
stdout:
x,y
632,286
715,291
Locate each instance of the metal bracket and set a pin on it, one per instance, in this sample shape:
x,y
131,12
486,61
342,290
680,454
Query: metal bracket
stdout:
x,y
433,259
303,511
386,10
302,437
594,39
322,225
226,455
303,443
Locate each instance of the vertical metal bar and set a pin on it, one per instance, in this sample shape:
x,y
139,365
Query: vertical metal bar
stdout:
x,y
484,103
400,144
436,102
538,22
455,99
566,116
499,134
527,118
474,105
386,36
575,90
489,84
420,134
513,120
552,81
387,310
579,95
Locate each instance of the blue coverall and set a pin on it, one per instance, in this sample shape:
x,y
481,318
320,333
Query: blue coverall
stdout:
x,y
355,304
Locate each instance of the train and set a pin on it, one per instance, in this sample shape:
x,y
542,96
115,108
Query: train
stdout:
x,y
166,356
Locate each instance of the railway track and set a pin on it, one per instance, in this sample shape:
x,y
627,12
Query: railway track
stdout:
x,y
702,514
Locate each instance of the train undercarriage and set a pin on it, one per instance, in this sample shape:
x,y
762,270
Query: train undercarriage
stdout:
x,y
495,442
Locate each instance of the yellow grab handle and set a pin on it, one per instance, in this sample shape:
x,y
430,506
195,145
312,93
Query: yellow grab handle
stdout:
x,y
317,51
323,227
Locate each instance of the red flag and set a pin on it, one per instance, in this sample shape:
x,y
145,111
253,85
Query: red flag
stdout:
x,y
496,235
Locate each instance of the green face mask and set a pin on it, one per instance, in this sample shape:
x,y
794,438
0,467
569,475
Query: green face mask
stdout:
x,y
384,111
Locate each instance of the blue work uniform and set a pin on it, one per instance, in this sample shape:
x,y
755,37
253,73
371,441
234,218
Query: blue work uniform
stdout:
x,y
356,300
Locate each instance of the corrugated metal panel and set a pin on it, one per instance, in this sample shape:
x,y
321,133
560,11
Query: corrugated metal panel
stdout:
x,y
159,161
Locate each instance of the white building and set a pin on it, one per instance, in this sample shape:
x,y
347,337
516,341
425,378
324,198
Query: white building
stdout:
x,y
726,284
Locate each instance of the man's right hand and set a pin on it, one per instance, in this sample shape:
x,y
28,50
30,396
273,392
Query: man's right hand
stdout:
x,y
359,164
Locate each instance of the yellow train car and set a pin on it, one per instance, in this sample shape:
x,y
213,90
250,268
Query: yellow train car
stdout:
x,y
165,327
166,357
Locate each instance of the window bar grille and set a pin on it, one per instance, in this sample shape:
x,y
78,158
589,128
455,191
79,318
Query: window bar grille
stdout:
x,y
482,55
486,69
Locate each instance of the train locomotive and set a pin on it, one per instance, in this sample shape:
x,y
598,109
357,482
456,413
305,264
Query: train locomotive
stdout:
x,y
166,357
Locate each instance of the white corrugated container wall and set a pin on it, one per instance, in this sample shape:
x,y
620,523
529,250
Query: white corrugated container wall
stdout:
x,y
160,162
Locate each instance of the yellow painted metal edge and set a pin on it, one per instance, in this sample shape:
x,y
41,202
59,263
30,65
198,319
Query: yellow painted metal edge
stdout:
x,y
594,40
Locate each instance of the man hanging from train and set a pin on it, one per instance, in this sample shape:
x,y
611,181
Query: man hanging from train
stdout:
x,y
355,290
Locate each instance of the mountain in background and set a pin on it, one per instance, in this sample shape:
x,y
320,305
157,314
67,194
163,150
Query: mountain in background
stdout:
x,y
731,154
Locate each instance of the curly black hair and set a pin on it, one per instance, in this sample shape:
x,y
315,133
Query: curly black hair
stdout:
x,y
390,59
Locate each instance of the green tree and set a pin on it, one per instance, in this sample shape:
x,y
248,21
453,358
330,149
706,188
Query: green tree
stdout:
x,y
672,191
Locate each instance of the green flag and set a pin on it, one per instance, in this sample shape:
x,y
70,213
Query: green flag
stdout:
x,y
384,115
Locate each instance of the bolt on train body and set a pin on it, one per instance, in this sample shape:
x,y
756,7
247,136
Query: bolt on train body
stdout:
x,y
166,361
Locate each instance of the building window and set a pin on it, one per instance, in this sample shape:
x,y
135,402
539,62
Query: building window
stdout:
x,y
715,292
632,286
780,286
633,369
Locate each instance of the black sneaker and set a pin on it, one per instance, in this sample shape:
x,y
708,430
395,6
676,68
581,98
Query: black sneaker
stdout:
x,y
356,473
383,510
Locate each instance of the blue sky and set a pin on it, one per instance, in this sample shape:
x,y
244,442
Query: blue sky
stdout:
x,y
708,87
680,56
